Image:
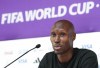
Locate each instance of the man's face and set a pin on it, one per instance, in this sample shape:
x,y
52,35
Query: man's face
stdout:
x,y
61,39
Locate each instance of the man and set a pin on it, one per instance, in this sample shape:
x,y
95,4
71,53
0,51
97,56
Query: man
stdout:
x,y
64,55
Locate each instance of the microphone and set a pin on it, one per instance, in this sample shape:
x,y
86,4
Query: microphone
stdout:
x,y
37,46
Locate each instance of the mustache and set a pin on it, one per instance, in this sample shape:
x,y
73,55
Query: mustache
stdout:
x,y
55,44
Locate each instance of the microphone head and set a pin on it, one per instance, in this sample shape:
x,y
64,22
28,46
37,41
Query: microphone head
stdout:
x,y
38,45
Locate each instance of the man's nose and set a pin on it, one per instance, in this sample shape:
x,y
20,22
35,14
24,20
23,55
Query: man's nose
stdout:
x,y
57,39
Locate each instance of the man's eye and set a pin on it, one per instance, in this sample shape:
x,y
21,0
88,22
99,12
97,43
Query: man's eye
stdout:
x,y
62,34
53,35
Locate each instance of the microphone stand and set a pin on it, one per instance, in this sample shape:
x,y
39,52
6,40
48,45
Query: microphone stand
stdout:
x,y
22,55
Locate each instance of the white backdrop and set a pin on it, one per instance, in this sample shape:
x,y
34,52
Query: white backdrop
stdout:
x,y
10,50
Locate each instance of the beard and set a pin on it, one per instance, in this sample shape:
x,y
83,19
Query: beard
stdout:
x,y
61,52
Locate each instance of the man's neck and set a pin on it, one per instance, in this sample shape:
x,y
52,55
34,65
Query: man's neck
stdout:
x,y
66,57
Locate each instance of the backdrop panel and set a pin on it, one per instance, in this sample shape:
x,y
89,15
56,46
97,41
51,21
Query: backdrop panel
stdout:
x,y
12,49
32,18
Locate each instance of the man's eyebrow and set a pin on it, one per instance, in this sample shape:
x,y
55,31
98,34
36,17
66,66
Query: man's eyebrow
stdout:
x,y
52,32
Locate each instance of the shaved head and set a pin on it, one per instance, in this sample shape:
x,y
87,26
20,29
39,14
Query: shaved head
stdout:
x,y
65,24
62,36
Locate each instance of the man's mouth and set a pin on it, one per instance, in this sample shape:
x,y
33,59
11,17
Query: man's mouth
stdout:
x,y
57,47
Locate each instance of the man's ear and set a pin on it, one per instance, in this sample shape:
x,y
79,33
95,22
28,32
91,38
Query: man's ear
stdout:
x,y
74,36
